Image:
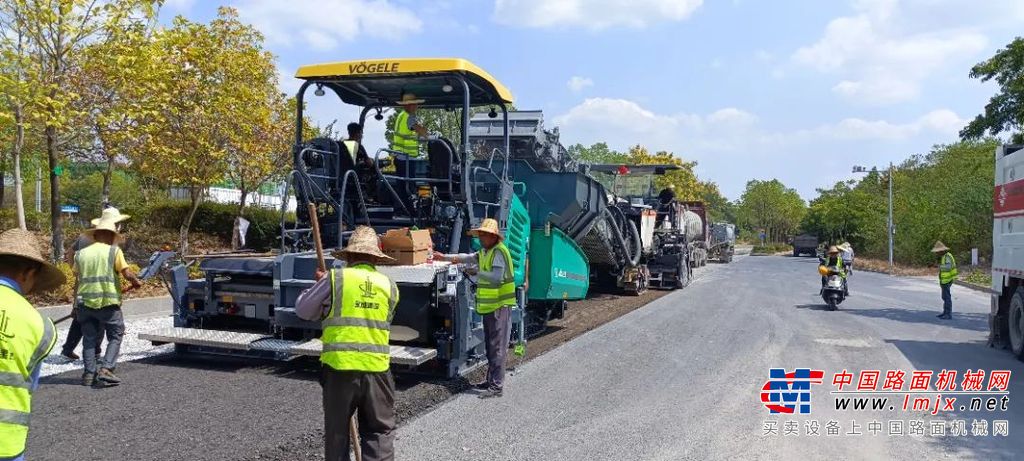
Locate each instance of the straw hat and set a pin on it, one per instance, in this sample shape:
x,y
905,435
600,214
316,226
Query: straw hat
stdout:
x,y
939,247
21,243
409,98
110,214
845,246
363,241
833,250
107,221
489,226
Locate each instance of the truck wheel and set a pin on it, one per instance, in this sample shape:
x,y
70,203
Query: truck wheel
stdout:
x,y
1015,320
683,276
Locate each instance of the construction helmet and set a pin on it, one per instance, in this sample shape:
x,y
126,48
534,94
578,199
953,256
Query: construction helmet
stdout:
x,y
823,270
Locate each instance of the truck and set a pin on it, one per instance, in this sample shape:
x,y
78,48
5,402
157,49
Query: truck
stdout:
x,y
1006,318
805,244
723,242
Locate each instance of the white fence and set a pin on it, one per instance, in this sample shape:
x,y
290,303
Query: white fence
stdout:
x,y
225,195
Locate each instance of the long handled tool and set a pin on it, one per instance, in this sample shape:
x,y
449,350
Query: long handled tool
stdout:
x,y
353,433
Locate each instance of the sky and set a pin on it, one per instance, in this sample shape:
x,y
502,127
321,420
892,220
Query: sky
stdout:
x,y
796,90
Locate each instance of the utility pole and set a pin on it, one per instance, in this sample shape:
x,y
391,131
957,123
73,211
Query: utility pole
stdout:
x,y
892,227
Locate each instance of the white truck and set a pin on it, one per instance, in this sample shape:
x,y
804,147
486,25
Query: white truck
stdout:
x,y
1006,320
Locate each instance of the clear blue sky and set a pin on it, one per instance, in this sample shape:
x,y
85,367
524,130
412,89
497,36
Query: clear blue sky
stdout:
x,y
797,90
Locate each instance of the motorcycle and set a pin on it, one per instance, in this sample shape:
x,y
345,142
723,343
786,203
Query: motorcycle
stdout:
x,y
834,290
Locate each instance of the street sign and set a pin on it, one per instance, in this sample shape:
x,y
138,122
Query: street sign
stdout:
x,y
72,209
57,171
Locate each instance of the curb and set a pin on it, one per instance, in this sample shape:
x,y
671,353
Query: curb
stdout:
x,y
971,286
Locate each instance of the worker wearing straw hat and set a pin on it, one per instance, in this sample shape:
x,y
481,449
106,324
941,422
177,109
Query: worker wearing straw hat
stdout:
x,y
355,306
495,294
75,331
98,297
26,337
846,251
947,275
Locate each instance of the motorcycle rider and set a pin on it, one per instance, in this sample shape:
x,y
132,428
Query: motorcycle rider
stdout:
x,y
834,261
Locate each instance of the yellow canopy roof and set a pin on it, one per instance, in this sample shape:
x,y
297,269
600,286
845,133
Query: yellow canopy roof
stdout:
x,y
382,80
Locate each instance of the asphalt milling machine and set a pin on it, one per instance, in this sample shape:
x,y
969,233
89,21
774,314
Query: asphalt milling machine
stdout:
x,y
559,222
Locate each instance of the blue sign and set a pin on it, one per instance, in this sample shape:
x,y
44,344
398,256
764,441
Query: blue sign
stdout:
x,y
69,209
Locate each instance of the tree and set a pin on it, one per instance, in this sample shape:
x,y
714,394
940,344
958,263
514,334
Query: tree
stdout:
x,y
597,153
112,81
14,60
262,151
1005,110
771,207
56,34
213,78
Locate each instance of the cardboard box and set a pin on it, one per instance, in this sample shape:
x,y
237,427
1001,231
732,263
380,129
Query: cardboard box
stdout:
x,y
408,247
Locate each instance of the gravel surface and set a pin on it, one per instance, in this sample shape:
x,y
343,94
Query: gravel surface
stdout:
x,y
132,348
204,408
680,378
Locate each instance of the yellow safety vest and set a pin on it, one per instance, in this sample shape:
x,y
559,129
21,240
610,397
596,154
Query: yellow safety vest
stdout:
x,y
947,269
403,138
98,283
492,296
26,337
356,332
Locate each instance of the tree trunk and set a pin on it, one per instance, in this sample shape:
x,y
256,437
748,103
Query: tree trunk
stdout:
x,y
196,195
106,180
235,241
56,225
19,142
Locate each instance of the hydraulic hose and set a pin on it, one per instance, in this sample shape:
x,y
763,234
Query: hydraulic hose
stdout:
x,y
634,259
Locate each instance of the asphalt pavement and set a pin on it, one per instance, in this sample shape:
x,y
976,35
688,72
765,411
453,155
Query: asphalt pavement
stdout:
x,y
682,377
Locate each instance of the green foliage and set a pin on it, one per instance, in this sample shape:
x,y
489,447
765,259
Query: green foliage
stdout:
x,y
1005,110
771,207
944,195
87,191
771,249
218,219
597,153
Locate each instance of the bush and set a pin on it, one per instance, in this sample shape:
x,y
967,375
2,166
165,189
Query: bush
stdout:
x,y
218,219
87,193
772,248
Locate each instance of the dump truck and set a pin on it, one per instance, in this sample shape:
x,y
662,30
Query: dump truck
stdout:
x,y
1006,318
695,221
245,305
805,244
723,242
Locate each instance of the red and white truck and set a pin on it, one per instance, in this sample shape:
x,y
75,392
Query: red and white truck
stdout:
x,y
1006,320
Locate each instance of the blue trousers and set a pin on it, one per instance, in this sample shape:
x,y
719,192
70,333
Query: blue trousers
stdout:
x,y
947,298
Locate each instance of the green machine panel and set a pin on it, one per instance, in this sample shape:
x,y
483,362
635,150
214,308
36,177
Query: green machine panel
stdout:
x,y
558,268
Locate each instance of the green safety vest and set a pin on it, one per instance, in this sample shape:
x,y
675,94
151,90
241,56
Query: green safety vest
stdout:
x,y
25,339
357,330
492,296
947,269
98,283
404,139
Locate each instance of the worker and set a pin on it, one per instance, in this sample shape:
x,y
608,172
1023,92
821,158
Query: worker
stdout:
x,y
495,296
26,337
947,274
846,252
354,144
75,330
98,297
666,209
835,262
355,306
407,133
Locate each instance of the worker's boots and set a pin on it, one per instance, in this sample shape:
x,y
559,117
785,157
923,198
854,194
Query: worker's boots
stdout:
x,y
108,377
88,379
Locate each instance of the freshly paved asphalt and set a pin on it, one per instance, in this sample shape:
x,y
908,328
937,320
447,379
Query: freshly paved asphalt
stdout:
x,y
681,378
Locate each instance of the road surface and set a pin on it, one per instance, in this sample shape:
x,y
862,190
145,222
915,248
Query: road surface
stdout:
x,y
681,378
